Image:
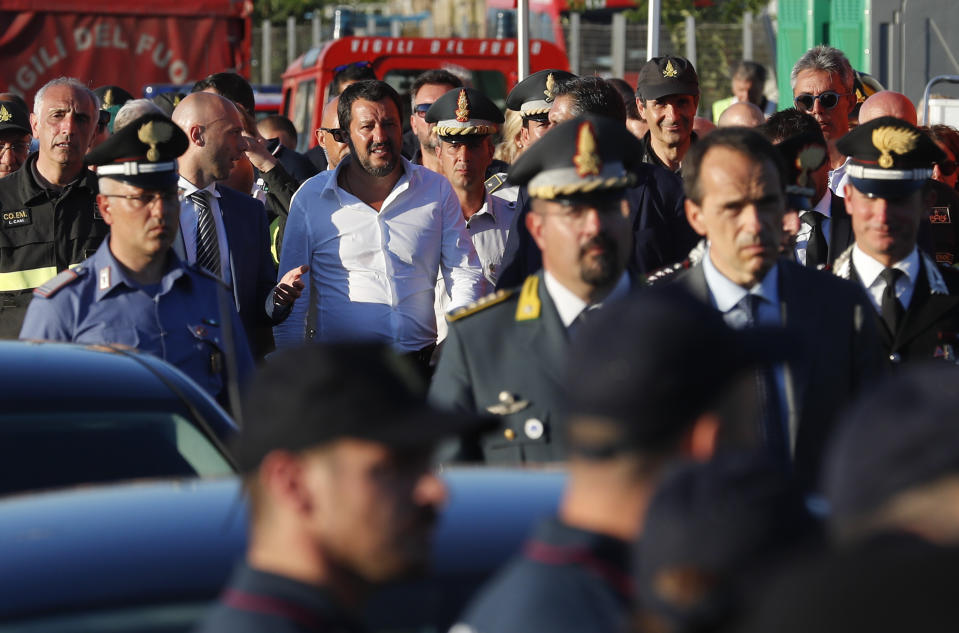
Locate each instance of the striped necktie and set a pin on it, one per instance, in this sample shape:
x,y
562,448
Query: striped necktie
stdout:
x,y
207,246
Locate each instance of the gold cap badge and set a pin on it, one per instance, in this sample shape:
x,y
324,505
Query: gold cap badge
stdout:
x,y
153,133
462,107
550,85
586,159
107,99
893,139
669,72
4,114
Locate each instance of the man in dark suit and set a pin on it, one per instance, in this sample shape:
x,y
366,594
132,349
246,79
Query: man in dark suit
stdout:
x,y
506,354
915,301
735,198
224,230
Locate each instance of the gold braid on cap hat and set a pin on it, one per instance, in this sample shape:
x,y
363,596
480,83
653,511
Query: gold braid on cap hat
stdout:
x,y
893,139
152,134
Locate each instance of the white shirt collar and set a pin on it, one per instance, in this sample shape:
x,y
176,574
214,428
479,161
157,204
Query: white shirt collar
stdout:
x,y
189,188
332,186
727,294
869,269
569,306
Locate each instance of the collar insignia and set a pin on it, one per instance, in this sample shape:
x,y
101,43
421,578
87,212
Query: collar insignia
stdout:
x,y
550,85
4,114
586,159
669,72
152,134
893,139
462,107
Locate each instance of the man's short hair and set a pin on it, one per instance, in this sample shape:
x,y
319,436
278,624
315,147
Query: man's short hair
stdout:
x,y
743,140
750,71
592,95
73,82
826,58
357,71
230,85
439,76
628,94
370,90
279,122
790,122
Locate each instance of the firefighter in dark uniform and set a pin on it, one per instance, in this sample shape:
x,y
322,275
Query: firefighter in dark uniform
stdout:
x,y
916,300
48,208
134,290
505,354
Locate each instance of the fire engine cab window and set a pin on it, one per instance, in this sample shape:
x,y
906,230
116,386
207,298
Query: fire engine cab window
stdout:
x,y
303,112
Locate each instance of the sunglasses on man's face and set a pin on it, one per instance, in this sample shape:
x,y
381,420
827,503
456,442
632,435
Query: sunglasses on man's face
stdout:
x,y
421,109
828,100
947,167
339,134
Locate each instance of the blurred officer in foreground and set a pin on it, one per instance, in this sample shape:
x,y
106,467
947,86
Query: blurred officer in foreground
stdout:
x,y
735,187
635,404
714,533
49,218
134,290
505,354
342,493
915,301
15,137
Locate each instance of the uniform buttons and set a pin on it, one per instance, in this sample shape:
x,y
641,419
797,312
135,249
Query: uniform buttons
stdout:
x,y
895,357
533,429
509,434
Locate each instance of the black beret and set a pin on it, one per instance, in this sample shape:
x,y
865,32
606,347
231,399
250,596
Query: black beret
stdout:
x,y
14,117
143,153
534,95
464,112
663,76
890,157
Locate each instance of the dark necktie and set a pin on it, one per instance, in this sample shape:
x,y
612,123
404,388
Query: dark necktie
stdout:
x,y
582,319
207,246
817,250
892,310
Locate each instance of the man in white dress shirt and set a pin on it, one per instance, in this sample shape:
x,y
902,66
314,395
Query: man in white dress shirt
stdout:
x,y
375,232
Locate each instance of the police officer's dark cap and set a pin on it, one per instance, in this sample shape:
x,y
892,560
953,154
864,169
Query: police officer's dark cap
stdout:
x,y
802,154
313,395
142,154
901,436
650,364
663,76
14,118
168,101
585,155
111,96
890,157
464,112
533,96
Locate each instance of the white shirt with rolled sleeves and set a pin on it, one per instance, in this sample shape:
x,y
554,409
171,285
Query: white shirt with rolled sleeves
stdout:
x,y
372,274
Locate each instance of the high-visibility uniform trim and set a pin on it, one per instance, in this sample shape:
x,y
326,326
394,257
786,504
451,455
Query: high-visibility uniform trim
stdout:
x,y
26,279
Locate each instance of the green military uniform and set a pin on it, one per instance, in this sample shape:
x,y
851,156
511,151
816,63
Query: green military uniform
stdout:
x,y
42,232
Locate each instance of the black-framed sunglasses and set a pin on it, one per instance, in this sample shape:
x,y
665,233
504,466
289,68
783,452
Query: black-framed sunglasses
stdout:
x,y
339,134
342,67
828,100
947,167
421,109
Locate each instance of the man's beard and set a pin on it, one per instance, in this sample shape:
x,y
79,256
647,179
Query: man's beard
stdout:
x,y
605,269
367,165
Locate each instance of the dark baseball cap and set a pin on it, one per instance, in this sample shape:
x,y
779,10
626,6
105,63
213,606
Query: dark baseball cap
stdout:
x,y
662,76
313,395
14,117
651,363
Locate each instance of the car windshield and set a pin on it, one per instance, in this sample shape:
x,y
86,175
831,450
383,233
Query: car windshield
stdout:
x,y
42,451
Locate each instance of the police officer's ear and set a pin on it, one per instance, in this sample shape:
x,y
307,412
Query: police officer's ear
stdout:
x,y
103,205
694,215
534,222
282,477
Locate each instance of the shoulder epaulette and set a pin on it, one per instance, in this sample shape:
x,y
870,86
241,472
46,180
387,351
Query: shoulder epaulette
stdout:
x,y
494,182
55,284
661,274
480,304
529,305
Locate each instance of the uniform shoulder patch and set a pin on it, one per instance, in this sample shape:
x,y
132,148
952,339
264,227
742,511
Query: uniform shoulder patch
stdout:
x,y
494,182
55,284
480,304
660,275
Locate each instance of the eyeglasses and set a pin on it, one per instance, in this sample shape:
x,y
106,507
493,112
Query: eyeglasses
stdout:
x,y
947,167
341,68
339,134
828,100
421,109
140,200
17,148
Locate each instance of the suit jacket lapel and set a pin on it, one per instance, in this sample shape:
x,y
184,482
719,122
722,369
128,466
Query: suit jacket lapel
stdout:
x,y
840,228
231,227
801,315
924,309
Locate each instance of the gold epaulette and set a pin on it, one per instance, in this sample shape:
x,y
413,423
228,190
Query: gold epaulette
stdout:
x,y
529,305
480,304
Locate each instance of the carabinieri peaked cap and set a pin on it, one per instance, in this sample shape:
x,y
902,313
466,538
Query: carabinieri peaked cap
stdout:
x,y
583,155
464,112
533,96
143,153
890,157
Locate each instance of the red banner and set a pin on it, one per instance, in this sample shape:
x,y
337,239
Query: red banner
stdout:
x,y
123,50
